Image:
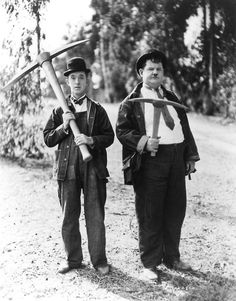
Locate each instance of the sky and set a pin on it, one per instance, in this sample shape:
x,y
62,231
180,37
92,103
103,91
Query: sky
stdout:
x,y
59,13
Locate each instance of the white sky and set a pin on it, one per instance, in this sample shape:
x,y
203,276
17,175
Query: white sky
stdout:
x,y
62,12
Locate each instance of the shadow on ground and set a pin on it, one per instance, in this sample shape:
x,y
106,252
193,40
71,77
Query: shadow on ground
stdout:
x,y
195,284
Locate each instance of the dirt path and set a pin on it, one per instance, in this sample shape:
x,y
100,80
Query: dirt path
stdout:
x,y
31,247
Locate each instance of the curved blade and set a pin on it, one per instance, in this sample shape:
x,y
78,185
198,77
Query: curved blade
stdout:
x,y
25,71
35,64
65,48
159,103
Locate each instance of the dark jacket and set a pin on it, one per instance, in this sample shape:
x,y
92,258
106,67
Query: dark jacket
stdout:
x,y
99,127
131,132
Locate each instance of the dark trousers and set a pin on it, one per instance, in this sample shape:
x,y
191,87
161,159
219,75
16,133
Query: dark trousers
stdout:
x,y
94,201
160,199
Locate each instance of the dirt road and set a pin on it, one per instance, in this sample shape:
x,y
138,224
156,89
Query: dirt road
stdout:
x,y
31,246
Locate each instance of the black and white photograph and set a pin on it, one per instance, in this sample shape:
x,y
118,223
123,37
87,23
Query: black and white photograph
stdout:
x,y
118,150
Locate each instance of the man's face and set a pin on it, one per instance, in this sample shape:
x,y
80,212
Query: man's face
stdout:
x,y
77,81
152,74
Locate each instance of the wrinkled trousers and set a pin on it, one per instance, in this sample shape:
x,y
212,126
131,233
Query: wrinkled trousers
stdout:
x,y
94,190
160,200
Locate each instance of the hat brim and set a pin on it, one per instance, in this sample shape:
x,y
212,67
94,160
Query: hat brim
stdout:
x,y
67,72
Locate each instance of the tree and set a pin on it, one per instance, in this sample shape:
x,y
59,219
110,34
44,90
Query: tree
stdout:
x,y
216,45
127,27
25,97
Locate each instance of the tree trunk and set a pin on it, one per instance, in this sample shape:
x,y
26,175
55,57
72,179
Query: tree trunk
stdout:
x,y
38,32
205,35
208,103
103,63
211,54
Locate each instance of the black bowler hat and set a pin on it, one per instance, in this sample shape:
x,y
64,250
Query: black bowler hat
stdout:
x,y
151,54
76,64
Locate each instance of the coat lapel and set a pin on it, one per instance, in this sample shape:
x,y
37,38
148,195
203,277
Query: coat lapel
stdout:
x,y
91,115
138,109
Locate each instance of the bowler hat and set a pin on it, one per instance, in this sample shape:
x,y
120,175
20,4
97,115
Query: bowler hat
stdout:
x,y
150,55
76,64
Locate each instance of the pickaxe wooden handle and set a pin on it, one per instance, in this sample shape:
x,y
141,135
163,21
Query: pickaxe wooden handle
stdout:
x,y
44,60
156,123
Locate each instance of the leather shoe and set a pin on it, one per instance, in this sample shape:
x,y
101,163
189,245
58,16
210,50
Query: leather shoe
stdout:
x,y
103,269
65,268
179,265
148,274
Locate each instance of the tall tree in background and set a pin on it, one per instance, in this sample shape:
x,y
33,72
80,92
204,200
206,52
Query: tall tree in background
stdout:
x,y
24,97
120,30
217,46
129,26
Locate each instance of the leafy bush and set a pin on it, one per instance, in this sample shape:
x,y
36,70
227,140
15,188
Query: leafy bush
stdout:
x,y
19,124
226,93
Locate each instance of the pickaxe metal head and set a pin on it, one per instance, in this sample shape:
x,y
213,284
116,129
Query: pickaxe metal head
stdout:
x,y
38,62
159,106
159,103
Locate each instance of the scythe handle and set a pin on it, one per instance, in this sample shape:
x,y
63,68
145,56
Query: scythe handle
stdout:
x,y
45,62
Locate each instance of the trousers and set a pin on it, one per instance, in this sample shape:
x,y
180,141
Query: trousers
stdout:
x,y
160,201
94,202
82,177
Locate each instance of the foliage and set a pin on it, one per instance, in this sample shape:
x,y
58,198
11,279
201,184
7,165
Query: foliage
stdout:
x,y
128,27
20,137
19,140
225,98
24,99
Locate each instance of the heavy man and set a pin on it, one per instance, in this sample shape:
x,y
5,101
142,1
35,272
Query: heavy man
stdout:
x,y
156,165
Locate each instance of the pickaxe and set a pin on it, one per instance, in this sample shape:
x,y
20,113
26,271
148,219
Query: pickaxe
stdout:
x,y
158,105
44,60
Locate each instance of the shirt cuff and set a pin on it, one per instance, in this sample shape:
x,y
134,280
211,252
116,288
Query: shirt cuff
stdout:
x,y
141,144
66,131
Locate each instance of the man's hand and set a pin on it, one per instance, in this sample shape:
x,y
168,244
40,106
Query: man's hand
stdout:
x,y
83,139
152,144
67,116
190,167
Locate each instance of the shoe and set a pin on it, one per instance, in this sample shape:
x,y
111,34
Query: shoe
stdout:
x,y
148,274
179,265
103,269
65,268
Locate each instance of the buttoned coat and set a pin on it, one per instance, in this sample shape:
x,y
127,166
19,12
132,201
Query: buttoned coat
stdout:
x,y
99,127
131,132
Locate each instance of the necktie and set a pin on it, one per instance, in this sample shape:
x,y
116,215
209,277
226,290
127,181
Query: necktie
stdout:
x,y
169,121
77,101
